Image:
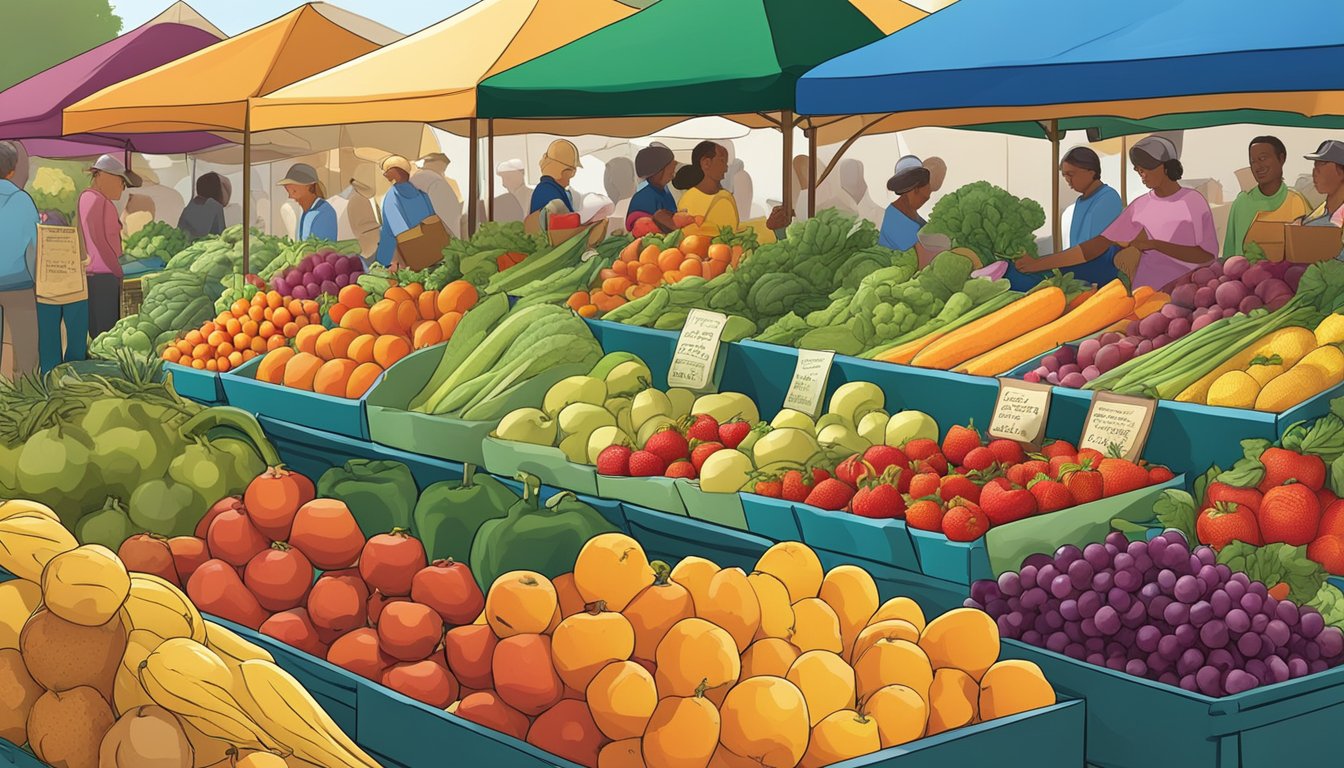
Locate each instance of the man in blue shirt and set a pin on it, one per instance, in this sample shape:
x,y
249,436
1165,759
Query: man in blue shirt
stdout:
x,y
404,207
18,265
655,165
558,167
319,218
1097,206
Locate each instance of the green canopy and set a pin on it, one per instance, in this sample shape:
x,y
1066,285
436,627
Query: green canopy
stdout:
x,y
682,57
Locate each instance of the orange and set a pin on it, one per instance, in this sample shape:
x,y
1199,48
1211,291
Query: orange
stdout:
x,y
672,277
232,326
415,290
670,259
184,347
650,255
198,365
448,323
719,252
305,340
577,300
612,568
696,245
407,314
257,313
520,603
588,310
301,370
457,296
713,269
362,379
194,337
352,296
615,286
427,333
361,348
383,317
389,349
690,267
428,305
281,317
250,327
333,378
222,364
200,351
172,354
357,320
216,338
224,350
274,299
308,307
211,365
334,343
396,293
266,330
275,342
259,344
240,307
649,274
236,358
290,330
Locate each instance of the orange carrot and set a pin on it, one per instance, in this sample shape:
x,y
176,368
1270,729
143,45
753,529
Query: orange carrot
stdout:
x,y
1022,316
1080,298
1108,305
906,352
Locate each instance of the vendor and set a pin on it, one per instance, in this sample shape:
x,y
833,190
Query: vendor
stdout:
x,y
404,208
1328,176
701,183
1171,227
558,167
318,218
204,215
913,186
1098,205
1270,200
656,166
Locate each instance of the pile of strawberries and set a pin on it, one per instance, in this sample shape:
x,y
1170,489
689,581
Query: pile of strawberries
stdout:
x,y
1290,505
965,486
672,451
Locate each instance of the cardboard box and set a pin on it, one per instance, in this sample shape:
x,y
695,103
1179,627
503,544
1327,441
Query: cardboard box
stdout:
x,y
1307,245
1269,235
597,231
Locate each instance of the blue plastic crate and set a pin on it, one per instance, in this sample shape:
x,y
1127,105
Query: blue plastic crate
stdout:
x,y
338,415
18,757
202,386
958,561
771,518
881,541
1133,722
658,493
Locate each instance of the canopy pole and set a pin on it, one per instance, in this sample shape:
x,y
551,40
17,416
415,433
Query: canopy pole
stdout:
x,y
849,142
1056,226
490,170
786,131
811,171
247,190
1124,172
474,185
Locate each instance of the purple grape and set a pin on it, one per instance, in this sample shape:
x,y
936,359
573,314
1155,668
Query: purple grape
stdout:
x,y
1061,587
1271,288
1278,670
1184,295
1209,681
1107,621
1230,312
1277,633
1331,642
1080,574
1143,348
1147,638
1204,297
1089,628
1186,635
1203,275
1237,621
1239,682
1006,628
1033,598
1310,624
1136,668
1178,328
1252,602
1249,644
1119,599
1053,378
1221,659
1050,364
1250,304
1068,609
1166,579
342,280
1297,667
329,287
1153,325
1287,612
1190,662
1076,650
1230,294
1067,355
1116,663
1010,584
1201,613
323,271
1096,659
299,292
1128,580
1088,604
1046,572
1259,623
1293,276
1057,642
1187,589
1097,556
1087,352
1053,621
1255,275
1258,588
1169,647
1027,576
1202,322
1189,684
1214,634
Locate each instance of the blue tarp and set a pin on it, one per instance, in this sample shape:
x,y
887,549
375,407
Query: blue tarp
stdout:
x,y
1022,53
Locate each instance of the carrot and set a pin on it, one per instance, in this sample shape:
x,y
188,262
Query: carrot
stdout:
x,y
1022,316
1106,306
906,352
1079,299
1149,305
1142,293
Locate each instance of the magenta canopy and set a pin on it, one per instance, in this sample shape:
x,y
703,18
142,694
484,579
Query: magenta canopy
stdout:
x,y
31,110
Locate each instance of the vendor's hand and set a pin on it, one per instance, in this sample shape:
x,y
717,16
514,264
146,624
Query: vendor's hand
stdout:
x,y
779,218
1026,263
1143,244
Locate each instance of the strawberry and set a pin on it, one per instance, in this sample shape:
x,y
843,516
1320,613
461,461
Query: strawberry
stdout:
x,y
614,460
1051,495
1290,514
880,501
1122,476
1004,483
1326,497
953,486
1003,506
830,494
1247,497
882,456
669,445
795,487
1058,463
962,523
979,459
1017,474
702,451
1328,550
773,487
705,428
819,474
681,468
1059,448
733,432
959,442
853,469
1332,519
935,463
1085,483
1225,522
920,448
1282,465
923,484
925,515
1159,474
1280,591
1091,453
1006,451
646,464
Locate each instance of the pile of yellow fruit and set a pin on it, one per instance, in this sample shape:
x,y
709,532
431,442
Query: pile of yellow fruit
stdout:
x,y
103,668
698,665
1280,370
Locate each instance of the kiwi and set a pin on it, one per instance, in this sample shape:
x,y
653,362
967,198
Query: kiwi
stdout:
x,y
66,728
61,655
146,737
18,690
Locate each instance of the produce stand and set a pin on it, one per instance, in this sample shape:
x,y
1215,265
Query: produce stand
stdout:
x,y
342,416
204,387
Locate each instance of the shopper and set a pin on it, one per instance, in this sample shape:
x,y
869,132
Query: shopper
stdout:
x,y
404,208
431,180
558,167
656,166
101,232
912,184
318,219
1269,201
18,257
1171,227
512,204
703,194
204,215
1327,174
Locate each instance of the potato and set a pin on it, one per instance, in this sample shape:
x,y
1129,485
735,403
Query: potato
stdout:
x,y
66,728
61,655
146,737
18,691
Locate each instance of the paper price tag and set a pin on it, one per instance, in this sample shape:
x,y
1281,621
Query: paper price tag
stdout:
x,y
697,350
808,387
1021,411
1118,420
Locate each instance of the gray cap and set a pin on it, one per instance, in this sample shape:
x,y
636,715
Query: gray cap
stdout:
x,y
1159,148
113,165
1331,151
299,173
651,160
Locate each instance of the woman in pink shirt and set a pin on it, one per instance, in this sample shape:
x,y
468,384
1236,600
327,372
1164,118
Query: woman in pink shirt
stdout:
x,y
1171,226
101,228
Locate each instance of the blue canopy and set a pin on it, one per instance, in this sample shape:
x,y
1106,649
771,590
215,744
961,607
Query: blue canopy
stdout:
x,y
987,60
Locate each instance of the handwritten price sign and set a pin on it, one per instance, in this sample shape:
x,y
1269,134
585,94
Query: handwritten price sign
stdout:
x,y
808,387
697,350
1021,411
1118,420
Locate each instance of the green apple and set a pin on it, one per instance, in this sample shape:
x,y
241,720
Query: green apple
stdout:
x,y
726,406
603,438
909,425
682,400
873,427
838,435
726,471
627,378
583,418
855,399
795,419
527,425
784,446
649,404
575,389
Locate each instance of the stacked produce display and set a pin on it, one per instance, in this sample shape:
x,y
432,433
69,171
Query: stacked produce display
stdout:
x,y
151,247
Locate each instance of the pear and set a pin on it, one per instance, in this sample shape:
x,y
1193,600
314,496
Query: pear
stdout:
x,y
726,471
795,419
575,389
648,404
583,418
575,448
603,438
873,427
844,437
527,425
726,406
682,401
909,425
855,399
628,378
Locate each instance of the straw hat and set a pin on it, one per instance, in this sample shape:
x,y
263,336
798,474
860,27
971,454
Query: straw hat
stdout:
x,y
396,161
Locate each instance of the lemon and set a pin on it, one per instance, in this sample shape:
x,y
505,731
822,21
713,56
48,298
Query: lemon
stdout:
x,y
1234,389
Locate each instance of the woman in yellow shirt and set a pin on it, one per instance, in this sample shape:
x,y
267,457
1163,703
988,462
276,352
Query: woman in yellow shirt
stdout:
x,y
702,184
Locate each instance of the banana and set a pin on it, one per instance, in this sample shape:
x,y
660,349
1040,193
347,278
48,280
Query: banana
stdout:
x,y
154,604
210,752
127,692
16,506
192,681
233,649
291,716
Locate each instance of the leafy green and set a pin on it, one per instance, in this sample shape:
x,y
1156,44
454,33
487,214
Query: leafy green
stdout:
x,y
1275,564
1175,509
1324,438
1329,602
1203,482
1248,471
988,220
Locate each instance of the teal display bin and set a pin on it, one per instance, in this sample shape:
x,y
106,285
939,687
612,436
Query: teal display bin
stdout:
x,y
673,537
1133,722
961,562
770,518
718,508
338,415
881,541
658,493
202,386
16,756
549,465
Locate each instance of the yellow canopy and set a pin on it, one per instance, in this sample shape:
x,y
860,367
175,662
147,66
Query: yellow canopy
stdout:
x,y
209,90
431,76
889,15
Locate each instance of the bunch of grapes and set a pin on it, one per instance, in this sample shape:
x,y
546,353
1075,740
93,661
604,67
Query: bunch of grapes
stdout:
x,y
1158,610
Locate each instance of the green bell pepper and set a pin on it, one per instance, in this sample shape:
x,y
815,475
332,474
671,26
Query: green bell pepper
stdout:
x,y
54,468
109,526
380,494
449,514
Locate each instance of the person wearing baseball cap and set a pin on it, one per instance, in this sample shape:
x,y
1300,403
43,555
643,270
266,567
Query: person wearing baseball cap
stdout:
x,y
558,167
1170,227
318,219
657,166
100,227
513,202
1327,173
404,207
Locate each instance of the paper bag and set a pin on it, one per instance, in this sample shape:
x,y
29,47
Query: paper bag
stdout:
x,y
60,278
422,246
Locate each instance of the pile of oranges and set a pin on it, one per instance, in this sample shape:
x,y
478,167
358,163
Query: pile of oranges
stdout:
x,y
247,329
346,360
639,270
